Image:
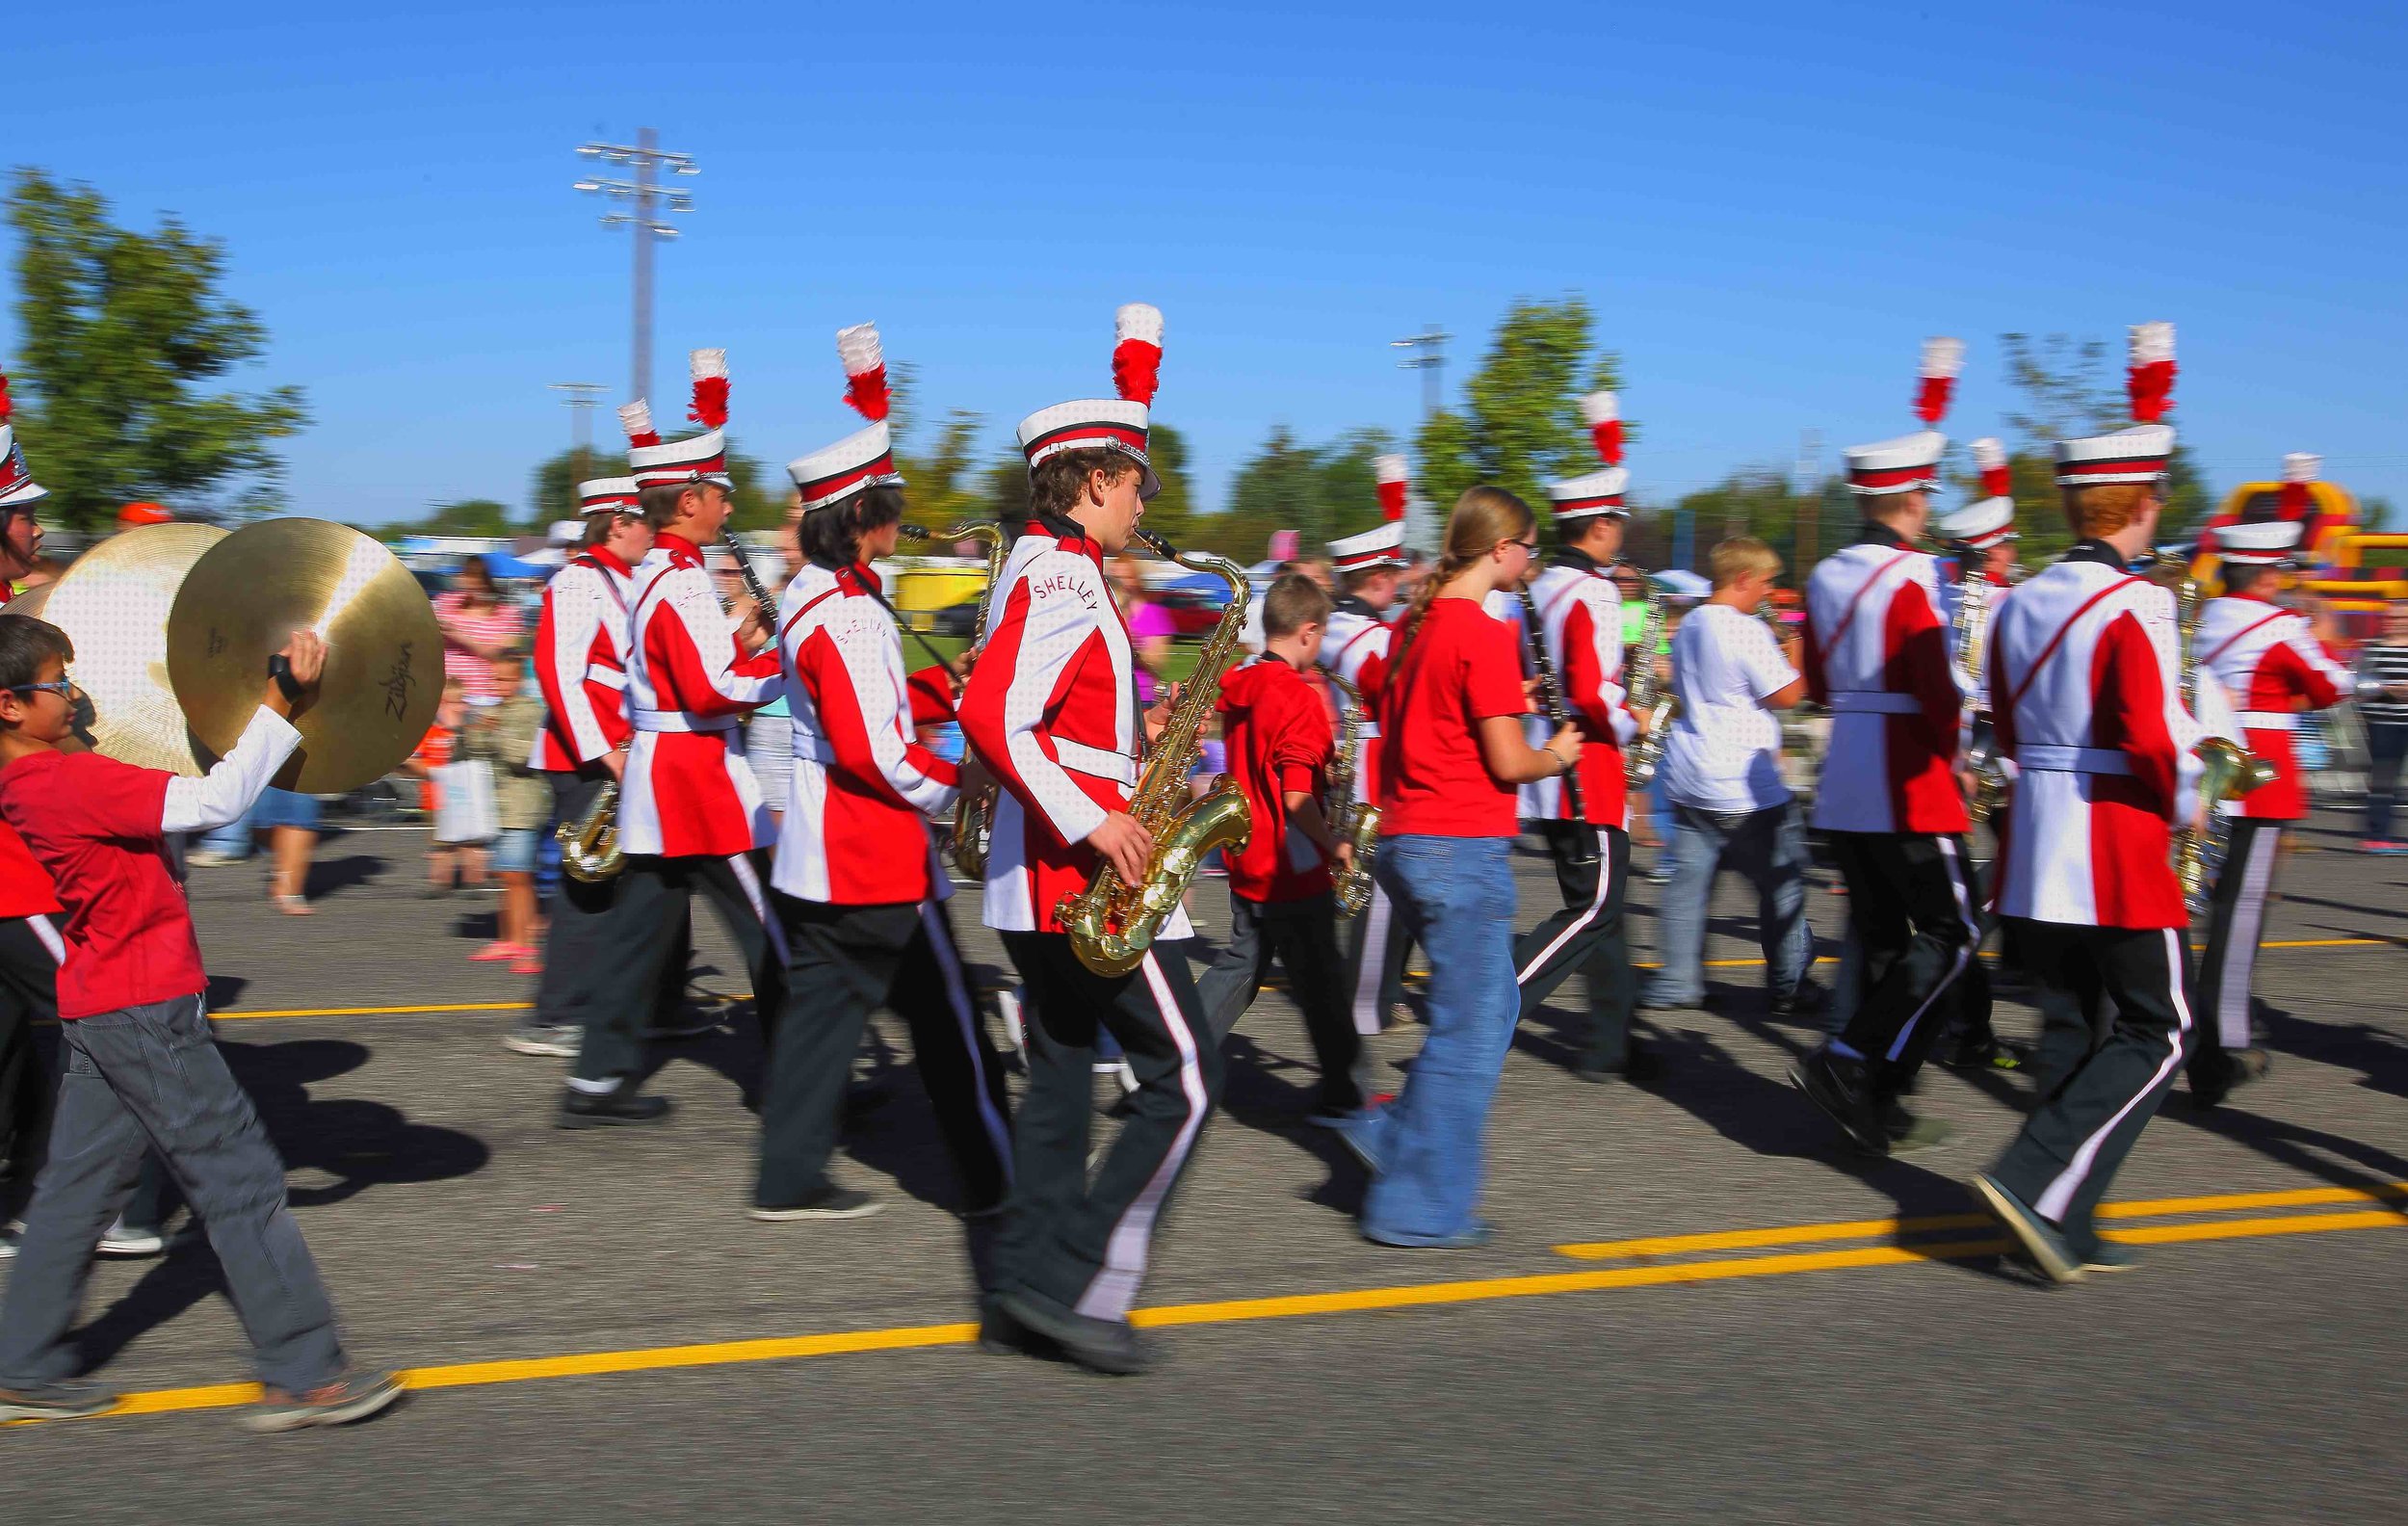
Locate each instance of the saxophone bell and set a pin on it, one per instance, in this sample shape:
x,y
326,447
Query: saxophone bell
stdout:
x,y
589,843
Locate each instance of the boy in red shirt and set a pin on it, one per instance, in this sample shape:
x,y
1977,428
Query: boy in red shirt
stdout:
x,y
1281,907
142,1070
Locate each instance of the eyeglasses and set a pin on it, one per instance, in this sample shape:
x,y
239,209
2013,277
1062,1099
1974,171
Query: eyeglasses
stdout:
x,y
1529,547
63,688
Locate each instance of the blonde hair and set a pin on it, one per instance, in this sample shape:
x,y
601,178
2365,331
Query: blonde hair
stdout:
x,y
1480,519
2103,509
1731,560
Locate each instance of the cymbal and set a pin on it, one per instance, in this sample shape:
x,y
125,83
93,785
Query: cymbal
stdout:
x,y
242,601
31,601
113,603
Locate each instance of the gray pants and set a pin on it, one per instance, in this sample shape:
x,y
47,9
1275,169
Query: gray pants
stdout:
x,y
145,1078
1768,847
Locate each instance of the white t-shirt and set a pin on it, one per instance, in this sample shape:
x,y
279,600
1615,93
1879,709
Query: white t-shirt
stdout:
x,y
1724,752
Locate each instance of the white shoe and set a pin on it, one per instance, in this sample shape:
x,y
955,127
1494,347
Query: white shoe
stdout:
x,y
559,1041
121,1241
1015,1026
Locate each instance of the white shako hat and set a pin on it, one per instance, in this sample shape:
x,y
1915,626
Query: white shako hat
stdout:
x,y
607,495
17,488
2136,455
1912,461
866,458
2269,543
702,457
1990,518
1598,492
1104,423
1383,547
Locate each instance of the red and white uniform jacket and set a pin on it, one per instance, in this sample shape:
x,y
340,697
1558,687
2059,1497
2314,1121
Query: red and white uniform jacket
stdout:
x,y
1580,612
1355,643
856,829
2269,662
2088,705
688,789
1052,709
26,887
1876,653
581,661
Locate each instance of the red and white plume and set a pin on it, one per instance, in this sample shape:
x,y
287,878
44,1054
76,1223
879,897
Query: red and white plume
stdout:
x,y
636,418
2151,377
1942,359
1990,460
710,387
1389,472
865,370
1602,412
1137,352
2299,469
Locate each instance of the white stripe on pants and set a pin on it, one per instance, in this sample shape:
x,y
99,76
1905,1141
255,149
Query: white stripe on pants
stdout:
x,y
2241,937
2052,1201
1115,1287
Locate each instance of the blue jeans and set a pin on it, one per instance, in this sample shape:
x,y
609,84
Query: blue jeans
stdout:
x,y
1769,848
1455,898
232,840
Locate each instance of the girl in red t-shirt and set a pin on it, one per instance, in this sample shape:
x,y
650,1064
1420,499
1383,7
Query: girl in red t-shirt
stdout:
x,y
1453,754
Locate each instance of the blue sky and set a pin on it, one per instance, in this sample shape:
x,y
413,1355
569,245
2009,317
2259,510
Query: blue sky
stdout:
x,y
1769,206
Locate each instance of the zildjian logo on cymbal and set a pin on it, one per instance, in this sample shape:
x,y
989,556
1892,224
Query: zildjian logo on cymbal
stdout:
x,y
397,684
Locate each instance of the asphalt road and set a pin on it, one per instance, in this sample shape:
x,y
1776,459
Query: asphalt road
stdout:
x,y
2252,1369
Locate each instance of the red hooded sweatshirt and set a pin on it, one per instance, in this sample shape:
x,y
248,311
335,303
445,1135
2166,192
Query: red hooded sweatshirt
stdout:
x,y
1279,739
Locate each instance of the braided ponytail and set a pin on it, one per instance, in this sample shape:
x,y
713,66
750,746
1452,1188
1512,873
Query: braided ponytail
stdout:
x,y
1480,519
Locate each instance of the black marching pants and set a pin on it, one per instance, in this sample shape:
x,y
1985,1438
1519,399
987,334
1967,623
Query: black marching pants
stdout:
x,y
847,960
2115,1014
646,953
30,952
1375,963
1303,937
1081,1244
1585,935
584,930
1911,906
2236,921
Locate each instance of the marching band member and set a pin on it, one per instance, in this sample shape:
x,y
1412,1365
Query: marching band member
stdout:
x,y
1449,811
690,816
1051,709
29,950
1580,611
582,639
1370,569
2274,663
2084,674
859,890
1981,539
1876,655
1282,902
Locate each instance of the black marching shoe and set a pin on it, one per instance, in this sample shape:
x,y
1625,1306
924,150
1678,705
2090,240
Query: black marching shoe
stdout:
x,y
1843,1087
2213,1078
2040,1240
621,1104
830,1201
1805,999
1104,1346
1908,1132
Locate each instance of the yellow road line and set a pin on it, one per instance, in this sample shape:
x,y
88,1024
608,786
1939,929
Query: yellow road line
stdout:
x,y
1877,1228
1234,1311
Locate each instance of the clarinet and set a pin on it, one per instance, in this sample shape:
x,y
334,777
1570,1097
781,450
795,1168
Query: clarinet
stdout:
x,y
1550,691
743,569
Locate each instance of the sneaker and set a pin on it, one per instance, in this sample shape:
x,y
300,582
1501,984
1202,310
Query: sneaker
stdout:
x,y
497,951
1991,1053
2213,1078
1803,1001
2109,1256
122,1238
59,1400
1481,1233
1103,1346
830,1201
621,1104
353,1396
2039,1238
1909,1132
1328,1116
1354,1133
205,858
1842,1089
560,1040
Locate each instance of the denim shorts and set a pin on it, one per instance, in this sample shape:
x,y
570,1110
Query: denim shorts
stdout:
x,y
515,851
278,807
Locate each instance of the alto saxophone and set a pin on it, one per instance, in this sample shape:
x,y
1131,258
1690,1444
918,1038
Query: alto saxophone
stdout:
x,y
2228,770
1351,821
974,813
1656,711
1112,925
1972,635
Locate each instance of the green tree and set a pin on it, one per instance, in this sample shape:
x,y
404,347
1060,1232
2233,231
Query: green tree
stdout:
x,y
941,482
1761,501
468,516
553,492
760,496
1520,424
1320,491
120,328
2067,391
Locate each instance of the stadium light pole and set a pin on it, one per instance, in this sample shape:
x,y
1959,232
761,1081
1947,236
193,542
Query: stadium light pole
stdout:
x,y
647,205
1427,353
